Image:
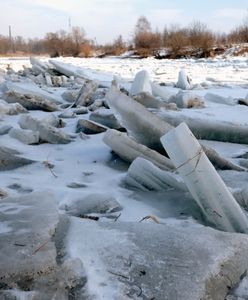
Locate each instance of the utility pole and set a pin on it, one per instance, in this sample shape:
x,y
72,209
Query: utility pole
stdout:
x,y
10,40
69,23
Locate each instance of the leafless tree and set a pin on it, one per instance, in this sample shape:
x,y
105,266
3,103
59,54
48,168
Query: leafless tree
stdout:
x,y
78,38
177,39
200,36
144,39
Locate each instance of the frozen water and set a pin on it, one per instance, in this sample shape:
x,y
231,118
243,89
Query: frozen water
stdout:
x,y
144,126
141,83
203,182
86,166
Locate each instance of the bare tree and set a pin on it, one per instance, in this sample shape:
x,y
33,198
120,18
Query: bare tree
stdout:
x,y
4,44
165,37
200,36
144,39
78,38
177,40
118,45
53,43
142,25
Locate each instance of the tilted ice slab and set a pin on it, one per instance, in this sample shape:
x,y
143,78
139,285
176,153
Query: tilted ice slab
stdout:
x,y
30,102
141,124
38,66
85,93
67,69
144,175
202,180
128,149
147,128
183,81
141,83
29,88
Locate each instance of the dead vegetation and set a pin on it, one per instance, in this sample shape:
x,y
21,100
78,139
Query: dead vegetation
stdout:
x,y
194,40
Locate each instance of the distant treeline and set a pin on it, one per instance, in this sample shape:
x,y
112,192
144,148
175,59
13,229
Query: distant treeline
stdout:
x,y
194,40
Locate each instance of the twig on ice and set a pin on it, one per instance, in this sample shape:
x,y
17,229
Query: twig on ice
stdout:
x,y
41,246
155,219
120,275
50,166
117,217
94,218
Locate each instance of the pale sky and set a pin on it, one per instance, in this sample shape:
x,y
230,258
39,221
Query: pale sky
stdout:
x,y
106,19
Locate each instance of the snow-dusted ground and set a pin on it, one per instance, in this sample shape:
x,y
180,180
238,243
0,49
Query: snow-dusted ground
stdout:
x,y
89,161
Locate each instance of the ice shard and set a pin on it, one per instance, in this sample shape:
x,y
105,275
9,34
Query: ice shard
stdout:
x,y
186,99
202,180
141,83
85,93
47,132
184,81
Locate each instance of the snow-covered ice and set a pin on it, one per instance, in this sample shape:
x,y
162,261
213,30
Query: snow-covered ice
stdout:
x,y
85,168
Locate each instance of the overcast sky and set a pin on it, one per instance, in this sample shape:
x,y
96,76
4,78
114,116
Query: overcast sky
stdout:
x,y
105,19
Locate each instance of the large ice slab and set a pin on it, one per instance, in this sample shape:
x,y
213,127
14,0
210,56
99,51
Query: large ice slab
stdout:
x,y
210,129
67,69
29,101
128,149
144,175
10,159
157,261
31,221
30,89
141,124
202,180
211,97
